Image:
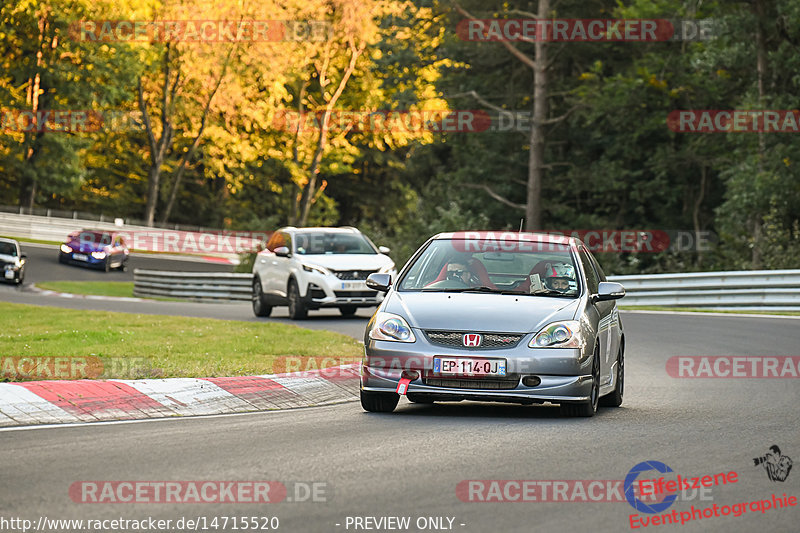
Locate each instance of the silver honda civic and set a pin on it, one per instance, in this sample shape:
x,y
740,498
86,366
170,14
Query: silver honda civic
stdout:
x,y
496,316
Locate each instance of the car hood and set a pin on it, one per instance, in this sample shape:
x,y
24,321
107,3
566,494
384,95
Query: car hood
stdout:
x,y
8,259
346,261
479,311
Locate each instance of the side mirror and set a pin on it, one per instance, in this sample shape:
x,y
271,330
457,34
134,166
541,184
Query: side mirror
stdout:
x,y
23,256
384,249
282,251
379,282
608,290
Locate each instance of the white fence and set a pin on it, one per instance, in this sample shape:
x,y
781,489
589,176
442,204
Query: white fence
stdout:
x,y
768,290
200,286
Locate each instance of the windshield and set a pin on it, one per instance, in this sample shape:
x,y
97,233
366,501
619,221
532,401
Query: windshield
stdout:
x,y
7,248
445,266
329,242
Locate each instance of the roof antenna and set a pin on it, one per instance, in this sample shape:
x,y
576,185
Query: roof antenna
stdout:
x,y
520,224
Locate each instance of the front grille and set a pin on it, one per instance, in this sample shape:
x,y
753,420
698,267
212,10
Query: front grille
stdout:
x,y
490,384
353,275
355,294
490,340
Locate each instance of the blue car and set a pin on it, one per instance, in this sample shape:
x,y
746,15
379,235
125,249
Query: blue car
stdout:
x,y
95,248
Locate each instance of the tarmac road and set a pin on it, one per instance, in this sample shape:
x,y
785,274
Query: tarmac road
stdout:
x,y
409,463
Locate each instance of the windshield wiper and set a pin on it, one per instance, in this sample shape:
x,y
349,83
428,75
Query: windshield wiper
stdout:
x,y
550,292
461,289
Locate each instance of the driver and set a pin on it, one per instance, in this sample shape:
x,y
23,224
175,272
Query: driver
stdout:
x,y
557,276
458,271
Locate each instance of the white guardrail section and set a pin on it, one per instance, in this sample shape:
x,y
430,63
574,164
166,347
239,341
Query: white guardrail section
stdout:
x,y
752,290
768,290
200,286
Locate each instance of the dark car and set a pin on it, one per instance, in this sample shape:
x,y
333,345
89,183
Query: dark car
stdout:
x,y
508,317
12,261
95,248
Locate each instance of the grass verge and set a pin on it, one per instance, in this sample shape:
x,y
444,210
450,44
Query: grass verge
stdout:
x,y
96,288
699,310
130,346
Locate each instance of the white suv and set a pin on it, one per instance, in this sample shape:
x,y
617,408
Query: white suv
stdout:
x,y
312,268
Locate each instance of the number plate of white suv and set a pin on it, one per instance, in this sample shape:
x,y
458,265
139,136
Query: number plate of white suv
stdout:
x,y
354,285
469,366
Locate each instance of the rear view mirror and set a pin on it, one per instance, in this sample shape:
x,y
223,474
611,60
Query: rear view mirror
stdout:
x,y
282,251
379,282
608,290
384,250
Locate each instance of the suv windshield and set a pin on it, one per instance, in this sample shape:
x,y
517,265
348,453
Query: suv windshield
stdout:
x,y
329,242
533,269
7,248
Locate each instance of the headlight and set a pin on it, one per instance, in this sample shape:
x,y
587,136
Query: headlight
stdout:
x,y
99,255
388,268
315,269
391,327
565,334
66,249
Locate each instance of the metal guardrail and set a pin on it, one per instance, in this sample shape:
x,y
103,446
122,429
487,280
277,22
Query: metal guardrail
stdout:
x,y
200,286
769,290
772,290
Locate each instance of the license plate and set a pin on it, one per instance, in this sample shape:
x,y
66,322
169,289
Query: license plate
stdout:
x,y
354,285
80,257
469,366
9,274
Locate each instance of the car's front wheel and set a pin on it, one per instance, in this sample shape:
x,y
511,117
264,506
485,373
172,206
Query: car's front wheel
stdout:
x,y
297,309
589,407
614,399
20,277
107,264
379,402
260,306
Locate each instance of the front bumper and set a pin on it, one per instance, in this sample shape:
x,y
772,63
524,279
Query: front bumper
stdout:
x,y
90,261
324,292
564,374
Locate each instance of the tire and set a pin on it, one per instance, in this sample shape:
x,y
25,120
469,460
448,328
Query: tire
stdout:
x,y
62,259
614,399
260,306
413,398
588,408
20,278
297,309
348,310
379,402
107,264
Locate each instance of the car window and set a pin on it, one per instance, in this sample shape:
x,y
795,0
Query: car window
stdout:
x,y
597,267
447,265
330,242
588,267
276,241
7,248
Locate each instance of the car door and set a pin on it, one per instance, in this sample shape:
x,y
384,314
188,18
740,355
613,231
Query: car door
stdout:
x,y
604,311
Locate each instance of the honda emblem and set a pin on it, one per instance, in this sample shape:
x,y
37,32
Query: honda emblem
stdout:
x,y
472,340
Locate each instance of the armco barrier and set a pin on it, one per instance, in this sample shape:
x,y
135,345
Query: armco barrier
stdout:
x,y
201,286
771,290
768,290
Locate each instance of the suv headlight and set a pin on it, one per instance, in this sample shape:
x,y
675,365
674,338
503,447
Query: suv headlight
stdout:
x,y
66,249
391,327
316,269
565,334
